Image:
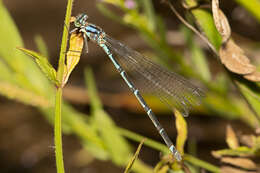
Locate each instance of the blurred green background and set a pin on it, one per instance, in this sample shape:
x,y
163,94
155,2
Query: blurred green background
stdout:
x,y
92,141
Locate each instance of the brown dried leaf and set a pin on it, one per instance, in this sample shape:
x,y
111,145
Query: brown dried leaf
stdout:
x,y
247,140
254,77
240,162
231,138
234,58
221,21
257,131
216,154
231,55
73,55
228,169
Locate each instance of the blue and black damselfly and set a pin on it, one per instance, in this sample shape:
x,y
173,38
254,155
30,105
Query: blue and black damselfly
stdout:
x,y
171,88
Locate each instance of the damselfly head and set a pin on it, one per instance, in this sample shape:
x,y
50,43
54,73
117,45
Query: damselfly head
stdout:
x,y
81,20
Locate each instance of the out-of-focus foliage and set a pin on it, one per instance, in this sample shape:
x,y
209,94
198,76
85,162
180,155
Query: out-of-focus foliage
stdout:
x,y
219,99
21,80
238,155
252,6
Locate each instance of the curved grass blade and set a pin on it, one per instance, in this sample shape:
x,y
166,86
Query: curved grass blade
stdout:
x,y
43,63
131,163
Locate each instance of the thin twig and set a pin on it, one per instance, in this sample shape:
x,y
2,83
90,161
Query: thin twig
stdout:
x,y
191,27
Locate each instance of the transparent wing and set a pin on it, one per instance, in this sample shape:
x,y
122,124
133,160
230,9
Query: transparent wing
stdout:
x,y
170,87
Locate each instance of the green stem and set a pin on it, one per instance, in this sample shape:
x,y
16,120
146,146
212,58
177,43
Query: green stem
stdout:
x,y
160,147
64,41
148,142
201,163
58,133
60,73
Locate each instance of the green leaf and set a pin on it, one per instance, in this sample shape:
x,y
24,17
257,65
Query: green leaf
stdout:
x,y
119,151
5,72
10,38
182,131
89,79
12,91
25,71
222,105
131,163
149,12
197,56
200,62
43,63
251,92
206,23
41,45
240,151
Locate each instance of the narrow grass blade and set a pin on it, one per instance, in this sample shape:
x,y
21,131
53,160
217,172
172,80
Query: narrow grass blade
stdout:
x,y
41,45
119,151
131,163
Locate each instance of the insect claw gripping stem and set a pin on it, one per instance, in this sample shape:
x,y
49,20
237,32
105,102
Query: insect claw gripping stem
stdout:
x,y
171,85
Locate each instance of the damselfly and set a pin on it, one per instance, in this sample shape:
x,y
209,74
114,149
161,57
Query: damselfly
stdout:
x,y
171,88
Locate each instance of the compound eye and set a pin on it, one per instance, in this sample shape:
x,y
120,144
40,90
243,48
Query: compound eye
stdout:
x,y
81,20
77,24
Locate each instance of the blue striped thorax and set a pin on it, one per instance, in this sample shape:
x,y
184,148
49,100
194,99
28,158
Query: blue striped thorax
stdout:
x,y
92,31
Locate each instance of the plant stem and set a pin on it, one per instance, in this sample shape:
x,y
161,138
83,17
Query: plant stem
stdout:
x,y
65,34
160,147
201,163
60,74
148,142
58,132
